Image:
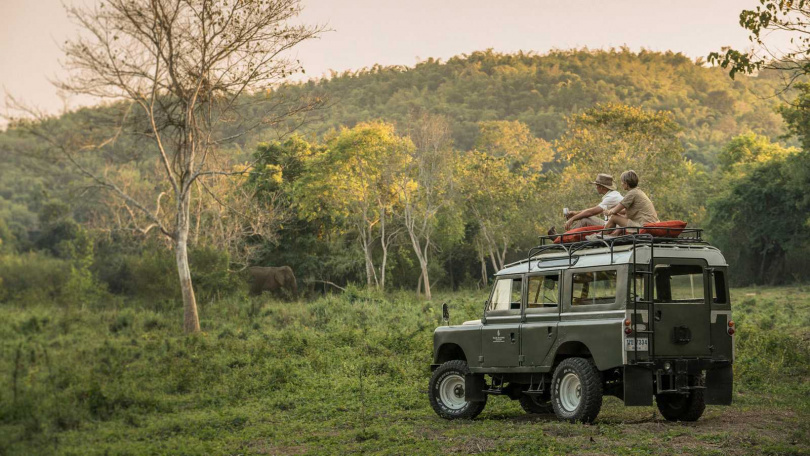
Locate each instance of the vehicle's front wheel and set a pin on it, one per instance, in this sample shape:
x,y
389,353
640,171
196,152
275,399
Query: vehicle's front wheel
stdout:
x,y
446,392
576,390
681,407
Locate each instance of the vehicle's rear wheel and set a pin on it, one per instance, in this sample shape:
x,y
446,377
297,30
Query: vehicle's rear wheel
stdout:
x,y
681,407
446,392
576,390
536,404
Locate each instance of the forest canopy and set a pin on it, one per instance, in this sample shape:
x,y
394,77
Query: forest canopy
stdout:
x,y
434,175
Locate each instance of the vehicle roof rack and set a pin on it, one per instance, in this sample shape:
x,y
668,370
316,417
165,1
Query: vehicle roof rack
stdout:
x,y
675,236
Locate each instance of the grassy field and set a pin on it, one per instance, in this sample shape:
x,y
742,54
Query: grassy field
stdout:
x,y
346,373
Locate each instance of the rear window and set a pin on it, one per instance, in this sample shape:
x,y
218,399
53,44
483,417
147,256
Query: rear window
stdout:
x,y
679,283
598,287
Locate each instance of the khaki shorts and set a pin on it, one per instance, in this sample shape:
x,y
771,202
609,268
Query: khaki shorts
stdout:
x,y
633,224
588,221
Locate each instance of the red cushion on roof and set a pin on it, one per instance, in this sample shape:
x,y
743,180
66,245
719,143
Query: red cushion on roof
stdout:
x,y
669,228
577,234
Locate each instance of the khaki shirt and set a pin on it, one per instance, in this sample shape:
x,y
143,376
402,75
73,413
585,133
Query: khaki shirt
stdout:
x,y
639,207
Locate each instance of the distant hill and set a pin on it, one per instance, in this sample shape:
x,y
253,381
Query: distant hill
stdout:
x,y
541,90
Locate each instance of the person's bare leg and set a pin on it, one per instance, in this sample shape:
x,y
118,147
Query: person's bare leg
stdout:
x,y
617,221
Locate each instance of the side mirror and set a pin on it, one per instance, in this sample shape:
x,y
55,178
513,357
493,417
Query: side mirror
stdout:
x,y
446,313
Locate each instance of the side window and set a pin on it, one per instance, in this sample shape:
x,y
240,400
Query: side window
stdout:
x,y
719,288
598,287
639,290
544,293
679,283
506,295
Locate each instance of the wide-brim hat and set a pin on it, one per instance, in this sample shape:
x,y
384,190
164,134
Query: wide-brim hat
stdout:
x,y
605,180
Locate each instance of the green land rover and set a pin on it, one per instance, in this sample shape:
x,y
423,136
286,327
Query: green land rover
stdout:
x,y
636,317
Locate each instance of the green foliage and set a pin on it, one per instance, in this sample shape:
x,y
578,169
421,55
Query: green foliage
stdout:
x,y
513,140
290,375
33,278
750,148
542,90
614,138
210,274
770,26
797,115
151,274
760,219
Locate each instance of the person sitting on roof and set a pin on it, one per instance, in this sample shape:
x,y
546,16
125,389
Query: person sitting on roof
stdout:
x,y
639,210
590,217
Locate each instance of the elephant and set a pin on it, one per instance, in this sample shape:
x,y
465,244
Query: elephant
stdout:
x,y
271,279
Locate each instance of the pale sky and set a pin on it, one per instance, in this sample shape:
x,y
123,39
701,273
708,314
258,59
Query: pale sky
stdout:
x,y
402,32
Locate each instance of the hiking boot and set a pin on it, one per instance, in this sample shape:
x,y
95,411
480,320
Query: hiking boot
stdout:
x,y
552,231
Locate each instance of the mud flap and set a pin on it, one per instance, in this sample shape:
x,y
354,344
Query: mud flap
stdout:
x,y
474,385
719,386
638,386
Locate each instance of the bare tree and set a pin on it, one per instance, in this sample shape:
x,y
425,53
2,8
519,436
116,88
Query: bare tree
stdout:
x,y
430,169
236,219
199,74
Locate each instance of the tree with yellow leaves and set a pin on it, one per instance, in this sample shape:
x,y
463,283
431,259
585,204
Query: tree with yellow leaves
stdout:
x,y
356,182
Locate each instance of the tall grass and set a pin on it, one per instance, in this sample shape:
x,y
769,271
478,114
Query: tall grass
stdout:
x,y
125,380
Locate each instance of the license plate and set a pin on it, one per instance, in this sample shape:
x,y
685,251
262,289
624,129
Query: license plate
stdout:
x,y
630,344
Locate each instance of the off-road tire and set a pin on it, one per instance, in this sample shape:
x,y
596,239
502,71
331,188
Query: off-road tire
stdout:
x,y
536,405
587,393
449,372
681,407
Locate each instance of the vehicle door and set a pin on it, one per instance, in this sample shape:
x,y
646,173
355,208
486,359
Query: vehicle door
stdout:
x,y
541,317
500,333
682,307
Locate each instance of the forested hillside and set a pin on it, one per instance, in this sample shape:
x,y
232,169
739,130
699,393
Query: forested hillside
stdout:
x,y
509,138
541,90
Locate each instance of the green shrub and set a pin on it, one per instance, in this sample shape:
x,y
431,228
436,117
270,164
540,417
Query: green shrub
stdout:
x,y
33,277
210,274
764,354
151,274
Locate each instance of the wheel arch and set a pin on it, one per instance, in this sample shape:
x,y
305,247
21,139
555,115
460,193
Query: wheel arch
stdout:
x,y
602,343
448,352
571,349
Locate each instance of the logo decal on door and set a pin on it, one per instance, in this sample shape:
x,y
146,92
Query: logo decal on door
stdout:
x,y
498,338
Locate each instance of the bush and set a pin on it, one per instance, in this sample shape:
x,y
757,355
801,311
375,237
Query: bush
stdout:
x,y
35,277
210,274
765,354
32,277
152,274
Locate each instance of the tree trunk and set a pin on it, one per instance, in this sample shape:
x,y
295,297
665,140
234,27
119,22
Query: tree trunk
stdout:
x,y
369,267
419,285
483,266
384,245
365,240
191,321
426,282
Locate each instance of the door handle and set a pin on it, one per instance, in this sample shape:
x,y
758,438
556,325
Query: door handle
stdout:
x,y
657,315
512,337
550,331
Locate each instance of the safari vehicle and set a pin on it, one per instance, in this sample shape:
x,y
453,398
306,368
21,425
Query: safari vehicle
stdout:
x,y
635,317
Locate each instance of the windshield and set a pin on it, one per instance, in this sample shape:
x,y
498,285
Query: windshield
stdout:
x,y
506,295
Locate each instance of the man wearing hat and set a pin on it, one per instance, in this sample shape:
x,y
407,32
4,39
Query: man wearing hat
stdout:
x,y
590,217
